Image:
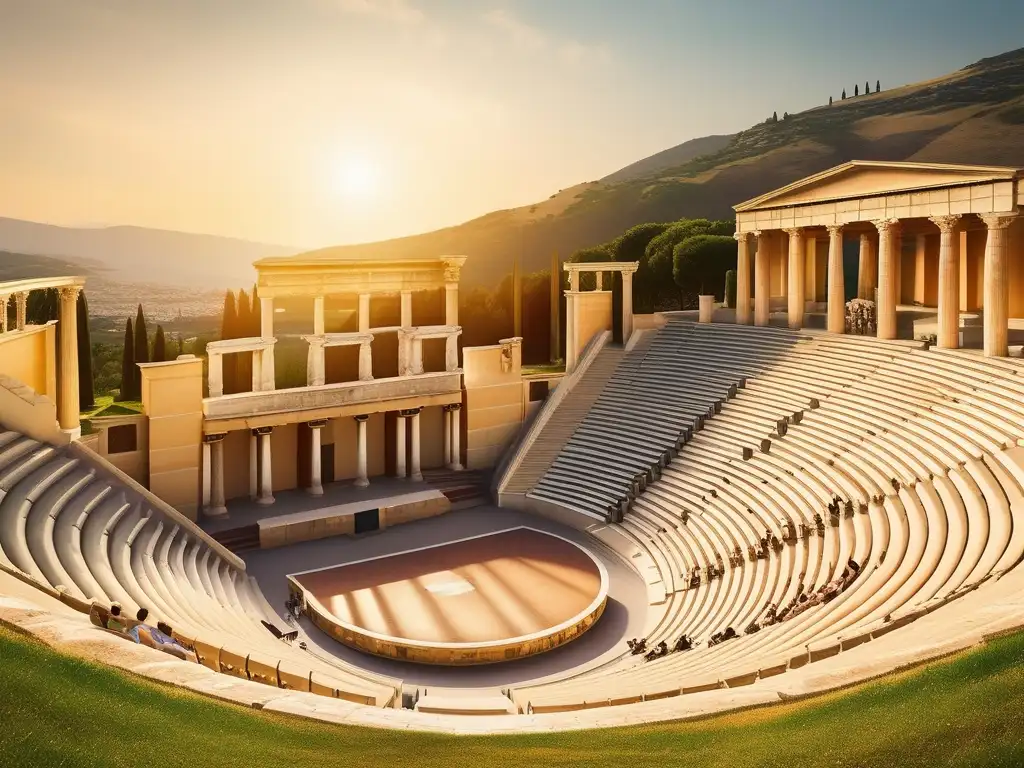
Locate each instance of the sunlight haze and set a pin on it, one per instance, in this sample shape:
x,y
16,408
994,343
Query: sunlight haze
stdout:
x,y
319,122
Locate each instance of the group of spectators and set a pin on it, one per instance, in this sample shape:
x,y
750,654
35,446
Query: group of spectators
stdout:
x,y
804,600
638,647
160,637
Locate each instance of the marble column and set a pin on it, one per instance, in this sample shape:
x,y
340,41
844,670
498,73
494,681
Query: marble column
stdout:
x,y
316,487
365,362
316,368
451,353
20,310
570,331
403,341
206,469
267,332
401,446
216,374
867,268
836,318
627,306
254,465
762,280
887,271
266,496
414,437
451,318
795,287
361,477
3,313
447,435
216,506
318,316
67,400
949,281
997,284
456,463
257,370
416,363
743,278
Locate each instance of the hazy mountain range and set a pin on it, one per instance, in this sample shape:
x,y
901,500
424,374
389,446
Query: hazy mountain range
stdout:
x,y
974,115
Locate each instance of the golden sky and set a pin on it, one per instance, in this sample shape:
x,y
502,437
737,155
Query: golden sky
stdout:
x,y
316,122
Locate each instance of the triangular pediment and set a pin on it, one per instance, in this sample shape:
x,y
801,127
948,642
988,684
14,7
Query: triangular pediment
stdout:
x,y
866,179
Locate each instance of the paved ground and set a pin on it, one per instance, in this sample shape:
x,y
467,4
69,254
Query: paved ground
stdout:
x,y
624,616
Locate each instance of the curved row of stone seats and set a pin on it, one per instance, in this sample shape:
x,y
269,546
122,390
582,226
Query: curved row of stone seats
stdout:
x,y
948,436
658,396
68,526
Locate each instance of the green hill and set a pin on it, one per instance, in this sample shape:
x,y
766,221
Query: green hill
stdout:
x,y
974,115
56,710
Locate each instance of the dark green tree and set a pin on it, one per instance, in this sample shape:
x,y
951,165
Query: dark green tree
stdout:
x,y
867,88
631,245
141,351
701,262
830,101
243,363
255,314
856,92
775,117
730,289
127,391
229,330
660,249
159,346
86,398
844,94
42,307
878,85
596,253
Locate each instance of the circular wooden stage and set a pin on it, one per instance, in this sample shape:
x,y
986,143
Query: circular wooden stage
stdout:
x,y
480,600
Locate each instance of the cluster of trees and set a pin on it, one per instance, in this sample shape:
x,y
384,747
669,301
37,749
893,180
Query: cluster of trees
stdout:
x,y
678,260
856,90
137,349
240,319
44,306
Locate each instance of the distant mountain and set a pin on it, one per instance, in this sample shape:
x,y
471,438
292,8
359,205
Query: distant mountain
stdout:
x,y
669,158
141,255
974,115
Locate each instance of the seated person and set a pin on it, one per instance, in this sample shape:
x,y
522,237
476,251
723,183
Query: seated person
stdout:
x,y
661,649
640,646
729,633
684,643
142,615
115,621
752,628
161,637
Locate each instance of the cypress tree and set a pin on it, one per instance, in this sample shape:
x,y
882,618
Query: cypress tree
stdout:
x,y
229,330
128,364
775,117
243,362
85,393
878,85
856,91
159,346
844,94
867,88
830,101
141,350
256,314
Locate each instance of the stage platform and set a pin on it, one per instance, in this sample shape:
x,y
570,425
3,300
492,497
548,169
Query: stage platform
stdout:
x,y
478,600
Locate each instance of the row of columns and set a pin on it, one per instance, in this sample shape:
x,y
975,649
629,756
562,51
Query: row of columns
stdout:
x,y
407,457
878,274
20,311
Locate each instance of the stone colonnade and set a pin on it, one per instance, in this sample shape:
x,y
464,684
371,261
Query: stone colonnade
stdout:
x,y
574,299
68,405
878,274
406,457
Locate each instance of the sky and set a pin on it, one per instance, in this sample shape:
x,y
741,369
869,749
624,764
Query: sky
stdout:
x,y
319,122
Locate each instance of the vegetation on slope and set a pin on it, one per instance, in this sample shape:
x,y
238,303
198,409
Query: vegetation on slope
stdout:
x,y
56,710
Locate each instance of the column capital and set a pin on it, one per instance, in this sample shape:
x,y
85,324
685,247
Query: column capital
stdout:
x,y
262,430
884,226
215,437
741,237
946,224
794,231
362,417
69,292
410,412
317,424
452,406
998,220
834,229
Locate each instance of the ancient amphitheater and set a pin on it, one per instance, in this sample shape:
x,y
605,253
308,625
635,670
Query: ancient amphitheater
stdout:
x,y
843,504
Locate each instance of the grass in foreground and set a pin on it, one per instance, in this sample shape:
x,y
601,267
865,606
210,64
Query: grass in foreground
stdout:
x,y
58,711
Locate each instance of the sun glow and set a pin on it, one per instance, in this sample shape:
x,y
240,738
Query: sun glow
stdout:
x,y
357,177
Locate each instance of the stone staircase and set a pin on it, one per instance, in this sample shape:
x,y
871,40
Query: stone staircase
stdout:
x,y
465,489
566,418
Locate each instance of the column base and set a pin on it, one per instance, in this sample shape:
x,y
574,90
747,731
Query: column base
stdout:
x,y
361,482
265,501
455,466
75,433
215,512
316,490
416,477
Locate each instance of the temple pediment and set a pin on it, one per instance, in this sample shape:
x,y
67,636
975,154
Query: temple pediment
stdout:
x,y
859,179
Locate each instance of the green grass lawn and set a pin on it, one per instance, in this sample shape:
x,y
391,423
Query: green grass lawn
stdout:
x,y
106,405
56,710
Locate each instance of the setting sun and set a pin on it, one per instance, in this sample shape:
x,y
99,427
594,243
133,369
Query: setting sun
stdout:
x,y
357,177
